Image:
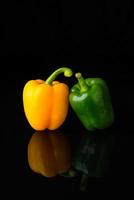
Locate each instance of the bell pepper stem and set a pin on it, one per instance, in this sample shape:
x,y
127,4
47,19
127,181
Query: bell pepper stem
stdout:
x,y
83,182
83,85
67,72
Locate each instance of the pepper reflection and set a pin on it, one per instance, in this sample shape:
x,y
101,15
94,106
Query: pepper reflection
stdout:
x,y
49,153
94,153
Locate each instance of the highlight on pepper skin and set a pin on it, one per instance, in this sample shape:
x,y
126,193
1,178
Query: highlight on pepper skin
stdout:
x,y
49,154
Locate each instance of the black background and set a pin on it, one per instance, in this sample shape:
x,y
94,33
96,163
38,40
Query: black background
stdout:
x,y
38,37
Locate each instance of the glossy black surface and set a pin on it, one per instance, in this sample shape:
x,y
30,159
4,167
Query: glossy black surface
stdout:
x,y
37,39
16,132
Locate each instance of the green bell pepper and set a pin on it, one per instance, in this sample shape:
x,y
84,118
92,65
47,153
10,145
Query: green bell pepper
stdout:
x,y
90,99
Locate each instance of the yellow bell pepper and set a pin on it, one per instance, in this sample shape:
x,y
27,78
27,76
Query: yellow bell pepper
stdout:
x,y
46,102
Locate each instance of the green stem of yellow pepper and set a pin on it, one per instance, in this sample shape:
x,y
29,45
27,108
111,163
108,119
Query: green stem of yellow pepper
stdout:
x,y
67,72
